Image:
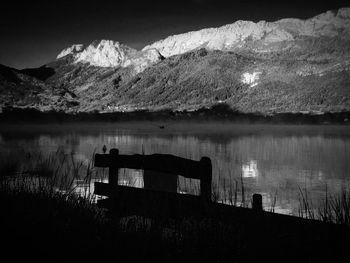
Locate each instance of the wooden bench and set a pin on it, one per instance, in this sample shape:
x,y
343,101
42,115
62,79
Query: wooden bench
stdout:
x,y
159,172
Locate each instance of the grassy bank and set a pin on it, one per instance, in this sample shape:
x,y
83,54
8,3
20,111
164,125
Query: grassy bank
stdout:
x,y
43,219
44,224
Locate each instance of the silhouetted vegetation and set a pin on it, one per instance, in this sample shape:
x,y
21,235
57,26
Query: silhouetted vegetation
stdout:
x,y
219,111
334,208
41,220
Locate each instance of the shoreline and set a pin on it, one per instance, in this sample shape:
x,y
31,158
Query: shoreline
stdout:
x,y
217,113
68,224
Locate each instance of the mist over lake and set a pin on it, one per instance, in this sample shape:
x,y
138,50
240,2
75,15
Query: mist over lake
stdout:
x,y
278,161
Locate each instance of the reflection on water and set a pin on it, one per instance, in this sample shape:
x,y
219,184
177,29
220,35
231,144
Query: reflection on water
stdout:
x,y
275,161
130,177
250,169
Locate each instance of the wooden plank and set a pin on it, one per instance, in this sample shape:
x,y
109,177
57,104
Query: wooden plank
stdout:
x,y
165,163
103,189
154,180
126,200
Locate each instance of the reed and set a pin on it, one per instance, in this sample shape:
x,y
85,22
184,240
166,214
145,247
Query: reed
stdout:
x,y
305,208
231,193
333,208
336,208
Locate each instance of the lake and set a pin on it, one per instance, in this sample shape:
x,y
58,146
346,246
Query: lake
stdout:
x,y
281,162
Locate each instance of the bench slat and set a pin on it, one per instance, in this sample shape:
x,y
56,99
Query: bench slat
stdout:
x,y
129,200
165,163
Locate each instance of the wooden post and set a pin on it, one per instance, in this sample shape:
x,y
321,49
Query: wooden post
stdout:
x,y
113,167
206,178
257,202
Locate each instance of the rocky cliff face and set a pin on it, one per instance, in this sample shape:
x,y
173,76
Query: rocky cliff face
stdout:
x,y
108,53
290,65
73,50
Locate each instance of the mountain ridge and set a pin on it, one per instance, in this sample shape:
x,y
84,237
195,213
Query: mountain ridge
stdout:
x,y
228,37
109,53
290,65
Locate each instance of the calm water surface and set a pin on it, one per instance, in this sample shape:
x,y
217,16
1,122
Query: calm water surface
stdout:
x,y
277,161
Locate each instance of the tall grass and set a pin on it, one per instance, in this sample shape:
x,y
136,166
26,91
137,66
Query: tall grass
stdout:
x,y
306,209
333,208
336,208
231,192
57,171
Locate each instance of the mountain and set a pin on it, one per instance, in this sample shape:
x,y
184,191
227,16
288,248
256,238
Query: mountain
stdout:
x,y
108,53
266,36
247,83
290,65
25,91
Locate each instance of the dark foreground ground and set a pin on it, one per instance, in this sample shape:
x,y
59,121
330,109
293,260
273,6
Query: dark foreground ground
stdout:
x,y
48,226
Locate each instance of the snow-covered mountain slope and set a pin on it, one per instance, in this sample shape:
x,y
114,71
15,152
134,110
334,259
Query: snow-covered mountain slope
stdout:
x,y
108,53
237,35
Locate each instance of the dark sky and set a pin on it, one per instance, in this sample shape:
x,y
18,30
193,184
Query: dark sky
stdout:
x,y
34,32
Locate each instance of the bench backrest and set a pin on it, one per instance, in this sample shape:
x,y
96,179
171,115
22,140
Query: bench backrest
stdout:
x,y
161,164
